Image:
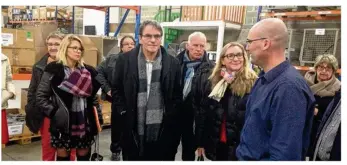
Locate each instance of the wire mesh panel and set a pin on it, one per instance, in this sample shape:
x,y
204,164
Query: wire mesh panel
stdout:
x,y
314,45
294,45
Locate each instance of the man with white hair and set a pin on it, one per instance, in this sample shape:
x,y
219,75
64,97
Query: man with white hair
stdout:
x,y
195,66
280,108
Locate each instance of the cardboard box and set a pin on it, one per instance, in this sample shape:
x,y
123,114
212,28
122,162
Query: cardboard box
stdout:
x,y
105,46
90,55
15,129
18,38
24,57
24,98
45,12
61,14
106,106
36,13
26,131
107,118
30,36
40,32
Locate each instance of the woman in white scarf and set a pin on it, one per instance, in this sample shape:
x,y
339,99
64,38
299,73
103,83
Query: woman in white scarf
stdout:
x,y
222,115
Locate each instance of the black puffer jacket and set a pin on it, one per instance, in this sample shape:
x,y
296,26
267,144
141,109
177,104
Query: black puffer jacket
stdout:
x,y
49,104
210,117
34,117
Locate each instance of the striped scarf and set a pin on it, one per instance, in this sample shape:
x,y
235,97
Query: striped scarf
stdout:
x,y
188,78
150,108
79,84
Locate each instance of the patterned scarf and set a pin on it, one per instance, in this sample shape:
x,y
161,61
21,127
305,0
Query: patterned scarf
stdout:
x,y
150,110
220,88
324,88
188,78
79,84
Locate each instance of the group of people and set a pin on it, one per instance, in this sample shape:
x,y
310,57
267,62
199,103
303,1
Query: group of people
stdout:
x,y
221,110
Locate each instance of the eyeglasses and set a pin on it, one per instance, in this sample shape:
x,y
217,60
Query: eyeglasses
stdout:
x,y
231,56
53,44
327,68
75,49
248,41
149,36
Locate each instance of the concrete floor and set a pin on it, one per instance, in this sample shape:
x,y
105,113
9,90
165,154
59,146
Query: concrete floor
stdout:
x,y
32,151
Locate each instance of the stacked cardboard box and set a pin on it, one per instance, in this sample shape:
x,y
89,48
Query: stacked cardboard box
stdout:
x,y
26,46
105,46
16,124
106,110
90,55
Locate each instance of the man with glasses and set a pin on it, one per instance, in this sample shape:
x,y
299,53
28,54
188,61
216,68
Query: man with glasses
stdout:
x,y
195,66
146,92
34,118
280,108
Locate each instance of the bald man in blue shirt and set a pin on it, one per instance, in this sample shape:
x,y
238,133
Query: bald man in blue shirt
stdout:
x,y
280,106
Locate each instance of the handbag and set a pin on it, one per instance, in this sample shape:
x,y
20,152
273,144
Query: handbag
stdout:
x,y
96,156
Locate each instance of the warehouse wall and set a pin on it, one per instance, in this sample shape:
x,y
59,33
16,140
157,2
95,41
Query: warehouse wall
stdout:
x,y
96,18
250,20
211,35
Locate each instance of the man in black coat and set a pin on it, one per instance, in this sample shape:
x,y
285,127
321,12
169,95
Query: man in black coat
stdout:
x,y
195,66
146,93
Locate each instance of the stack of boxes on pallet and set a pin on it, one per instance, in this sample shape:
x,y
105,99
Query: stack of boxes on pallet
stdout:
x,y
25,46
40,13
49,13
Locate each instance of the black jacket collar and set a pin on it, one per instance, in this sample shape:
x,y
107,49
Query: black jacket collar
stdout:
x,y
166,63
42,63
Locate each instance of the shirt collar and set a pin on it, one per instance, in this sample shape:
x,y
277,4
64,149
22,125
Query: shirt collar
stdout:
x,y
274,72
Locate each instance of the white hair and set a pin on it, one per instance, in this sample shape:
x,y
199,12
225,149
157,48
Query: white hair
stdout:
x,y
197,34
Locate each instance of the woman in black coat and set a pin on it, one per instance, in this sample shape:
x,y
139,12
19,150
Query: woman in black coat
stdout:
x,y
67,95
220,119
324,85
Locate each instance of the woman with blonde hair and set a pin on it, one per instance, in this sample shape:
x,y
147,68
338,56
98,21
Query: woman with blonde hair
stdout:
x,y
67,95
220,120
324,85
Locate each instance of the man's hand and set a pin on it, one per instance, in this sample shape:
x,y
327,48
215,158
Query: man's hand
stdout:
x,y
201,151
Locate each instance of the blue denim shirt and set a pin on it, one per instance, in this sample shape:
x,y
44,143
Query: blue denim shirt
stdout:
x,y
278,117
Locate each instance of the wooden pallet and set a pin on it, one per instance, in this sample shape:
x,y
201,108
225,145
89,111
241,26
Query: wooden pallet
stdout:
x,y
21,69
22,140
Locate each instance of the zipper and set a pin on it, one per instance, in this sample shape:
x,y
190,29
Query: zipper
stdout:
x,y
132,132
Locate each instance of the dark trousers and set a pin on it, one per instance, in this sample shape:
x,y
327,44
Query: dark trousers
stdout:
x,y
116,133
152,152
222,151
225,152
188,138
